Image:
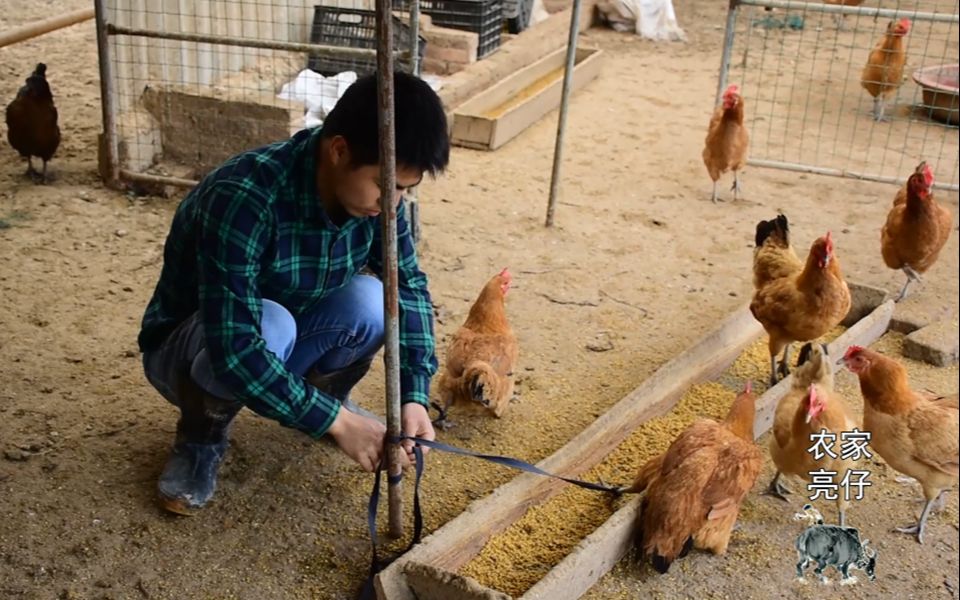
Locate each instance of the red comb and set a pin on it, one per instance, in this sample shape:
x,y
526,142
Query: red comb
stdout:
x,y
853,350
927,175
732,89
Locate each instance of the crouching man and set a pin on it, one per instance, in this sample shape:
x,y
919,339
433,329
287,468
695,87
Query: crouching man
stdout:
x,y
261,303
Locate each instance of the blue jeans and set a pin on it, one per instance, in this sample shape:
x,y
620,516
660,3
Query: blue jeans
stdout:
x,y
345,328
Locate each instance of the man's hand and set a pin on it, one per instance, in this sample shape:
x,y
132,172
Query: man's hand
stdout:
x,y
360,438
415,422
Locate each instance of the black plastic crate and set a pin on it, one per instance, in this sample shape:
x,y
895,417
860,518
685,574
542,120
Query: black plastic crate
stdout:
x,y
483,17
354,28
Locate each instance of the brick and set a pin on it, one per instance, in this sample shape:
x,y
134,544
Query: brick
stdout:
x,y
937,344
453,55
917,311
441,37
437,67
863,299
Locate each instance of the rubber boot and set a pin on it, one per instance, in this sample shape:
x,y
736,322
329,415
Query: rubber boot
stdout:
x,y
339,384
189,478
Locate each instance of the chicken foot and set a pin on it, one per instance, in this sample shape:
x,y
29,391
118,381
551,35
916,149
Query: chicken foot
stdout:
x,y
783,370
736,188
911,277
777,489
917,528
442,421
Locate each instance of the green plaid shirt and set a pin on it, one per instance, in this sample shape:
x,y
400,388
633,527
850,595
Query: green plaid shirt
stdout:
x,y
255,228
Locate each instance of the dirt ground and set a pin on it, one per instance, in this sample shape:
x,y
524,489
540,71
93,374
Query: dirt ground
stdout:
x,y
626,271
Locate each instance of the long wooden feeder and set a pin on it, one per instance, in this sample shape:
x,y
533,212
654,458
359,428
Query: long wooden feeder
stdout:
x,y
428,571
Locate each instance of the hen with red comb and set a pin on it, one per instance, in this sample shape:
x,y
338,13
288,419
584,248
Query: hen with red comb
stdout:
x,y
917,228
883,73
725,147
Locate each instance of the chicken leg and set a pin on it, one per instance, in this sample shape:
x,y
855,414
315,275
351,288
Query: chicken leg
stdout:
x,y
878,106
714,196
736,186
784,369
43,175
911,277
917,528
442,422
777,489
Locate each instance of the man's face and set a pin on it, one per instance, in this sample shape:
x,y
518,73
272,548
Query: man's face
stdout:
x,y
358,188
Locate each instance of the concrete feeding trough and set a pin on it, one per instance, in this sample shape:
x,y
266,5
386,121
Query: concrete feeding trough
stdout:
x,y
429,570
494,117
941,92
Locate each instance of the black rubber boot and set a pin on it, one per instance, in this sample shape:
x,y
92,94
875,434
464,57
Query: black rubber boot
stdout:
x,y
189,478
339,384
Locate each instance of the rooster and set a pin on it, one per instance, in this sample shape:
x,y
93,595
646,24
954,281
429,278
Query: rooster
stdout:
x,y
794,301
914,434
725,147
694,489
32,127
917,228
481,356
883,73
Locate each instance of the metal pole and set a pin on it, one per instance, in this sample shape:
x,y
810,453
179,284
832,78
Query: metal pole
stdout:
x,y
109,146
863,11
564,101
226,40
727,49
413,205
388,223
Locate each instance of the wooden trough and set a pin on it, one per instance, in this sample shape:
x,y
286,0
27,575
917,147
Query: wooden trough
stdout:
x,y
428,571
494,117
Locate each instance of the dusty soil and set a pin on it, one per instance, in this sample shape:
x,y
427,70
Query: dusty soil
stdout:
x,y
84,436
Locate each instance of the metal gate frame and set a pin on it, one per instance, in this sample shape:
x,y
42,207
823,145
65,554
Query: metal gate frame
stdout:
x,y
111,170
728,40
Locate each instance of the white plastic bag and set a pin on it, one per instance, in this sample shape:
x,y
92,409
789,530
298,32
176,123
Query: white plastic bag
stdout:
x,y
651,19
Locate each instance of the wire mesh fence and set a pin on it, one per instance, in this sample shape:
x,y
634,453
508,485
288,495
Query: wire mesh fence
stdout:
x,y
194,83
801,68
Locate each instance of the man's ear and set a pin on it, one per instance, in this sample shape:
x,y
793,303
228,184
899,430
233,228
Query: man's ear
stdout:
x,y
339,151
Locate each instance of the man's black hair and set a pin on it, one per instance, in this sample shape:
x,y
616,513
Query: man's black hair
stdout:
x,y
419,121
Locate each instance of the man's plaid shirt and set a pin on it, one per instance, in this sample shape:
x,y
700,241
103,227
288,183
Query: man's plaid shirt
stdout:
x,y
255,228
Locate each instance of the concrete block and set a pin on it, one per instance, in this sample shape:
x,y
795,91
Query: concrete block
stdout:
x,y
441,37
437,67
452,55
937,344
863,299
432,583
917,311
204,130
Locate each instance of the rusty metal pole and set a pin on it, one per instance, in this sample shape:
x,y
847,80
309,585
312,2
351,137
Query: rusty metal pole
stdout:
x,y
564,102
388,223
110,163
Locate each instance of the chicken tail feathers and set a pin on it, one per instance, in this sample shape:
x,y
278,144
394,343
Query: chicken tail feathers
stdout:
x,y
778,227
